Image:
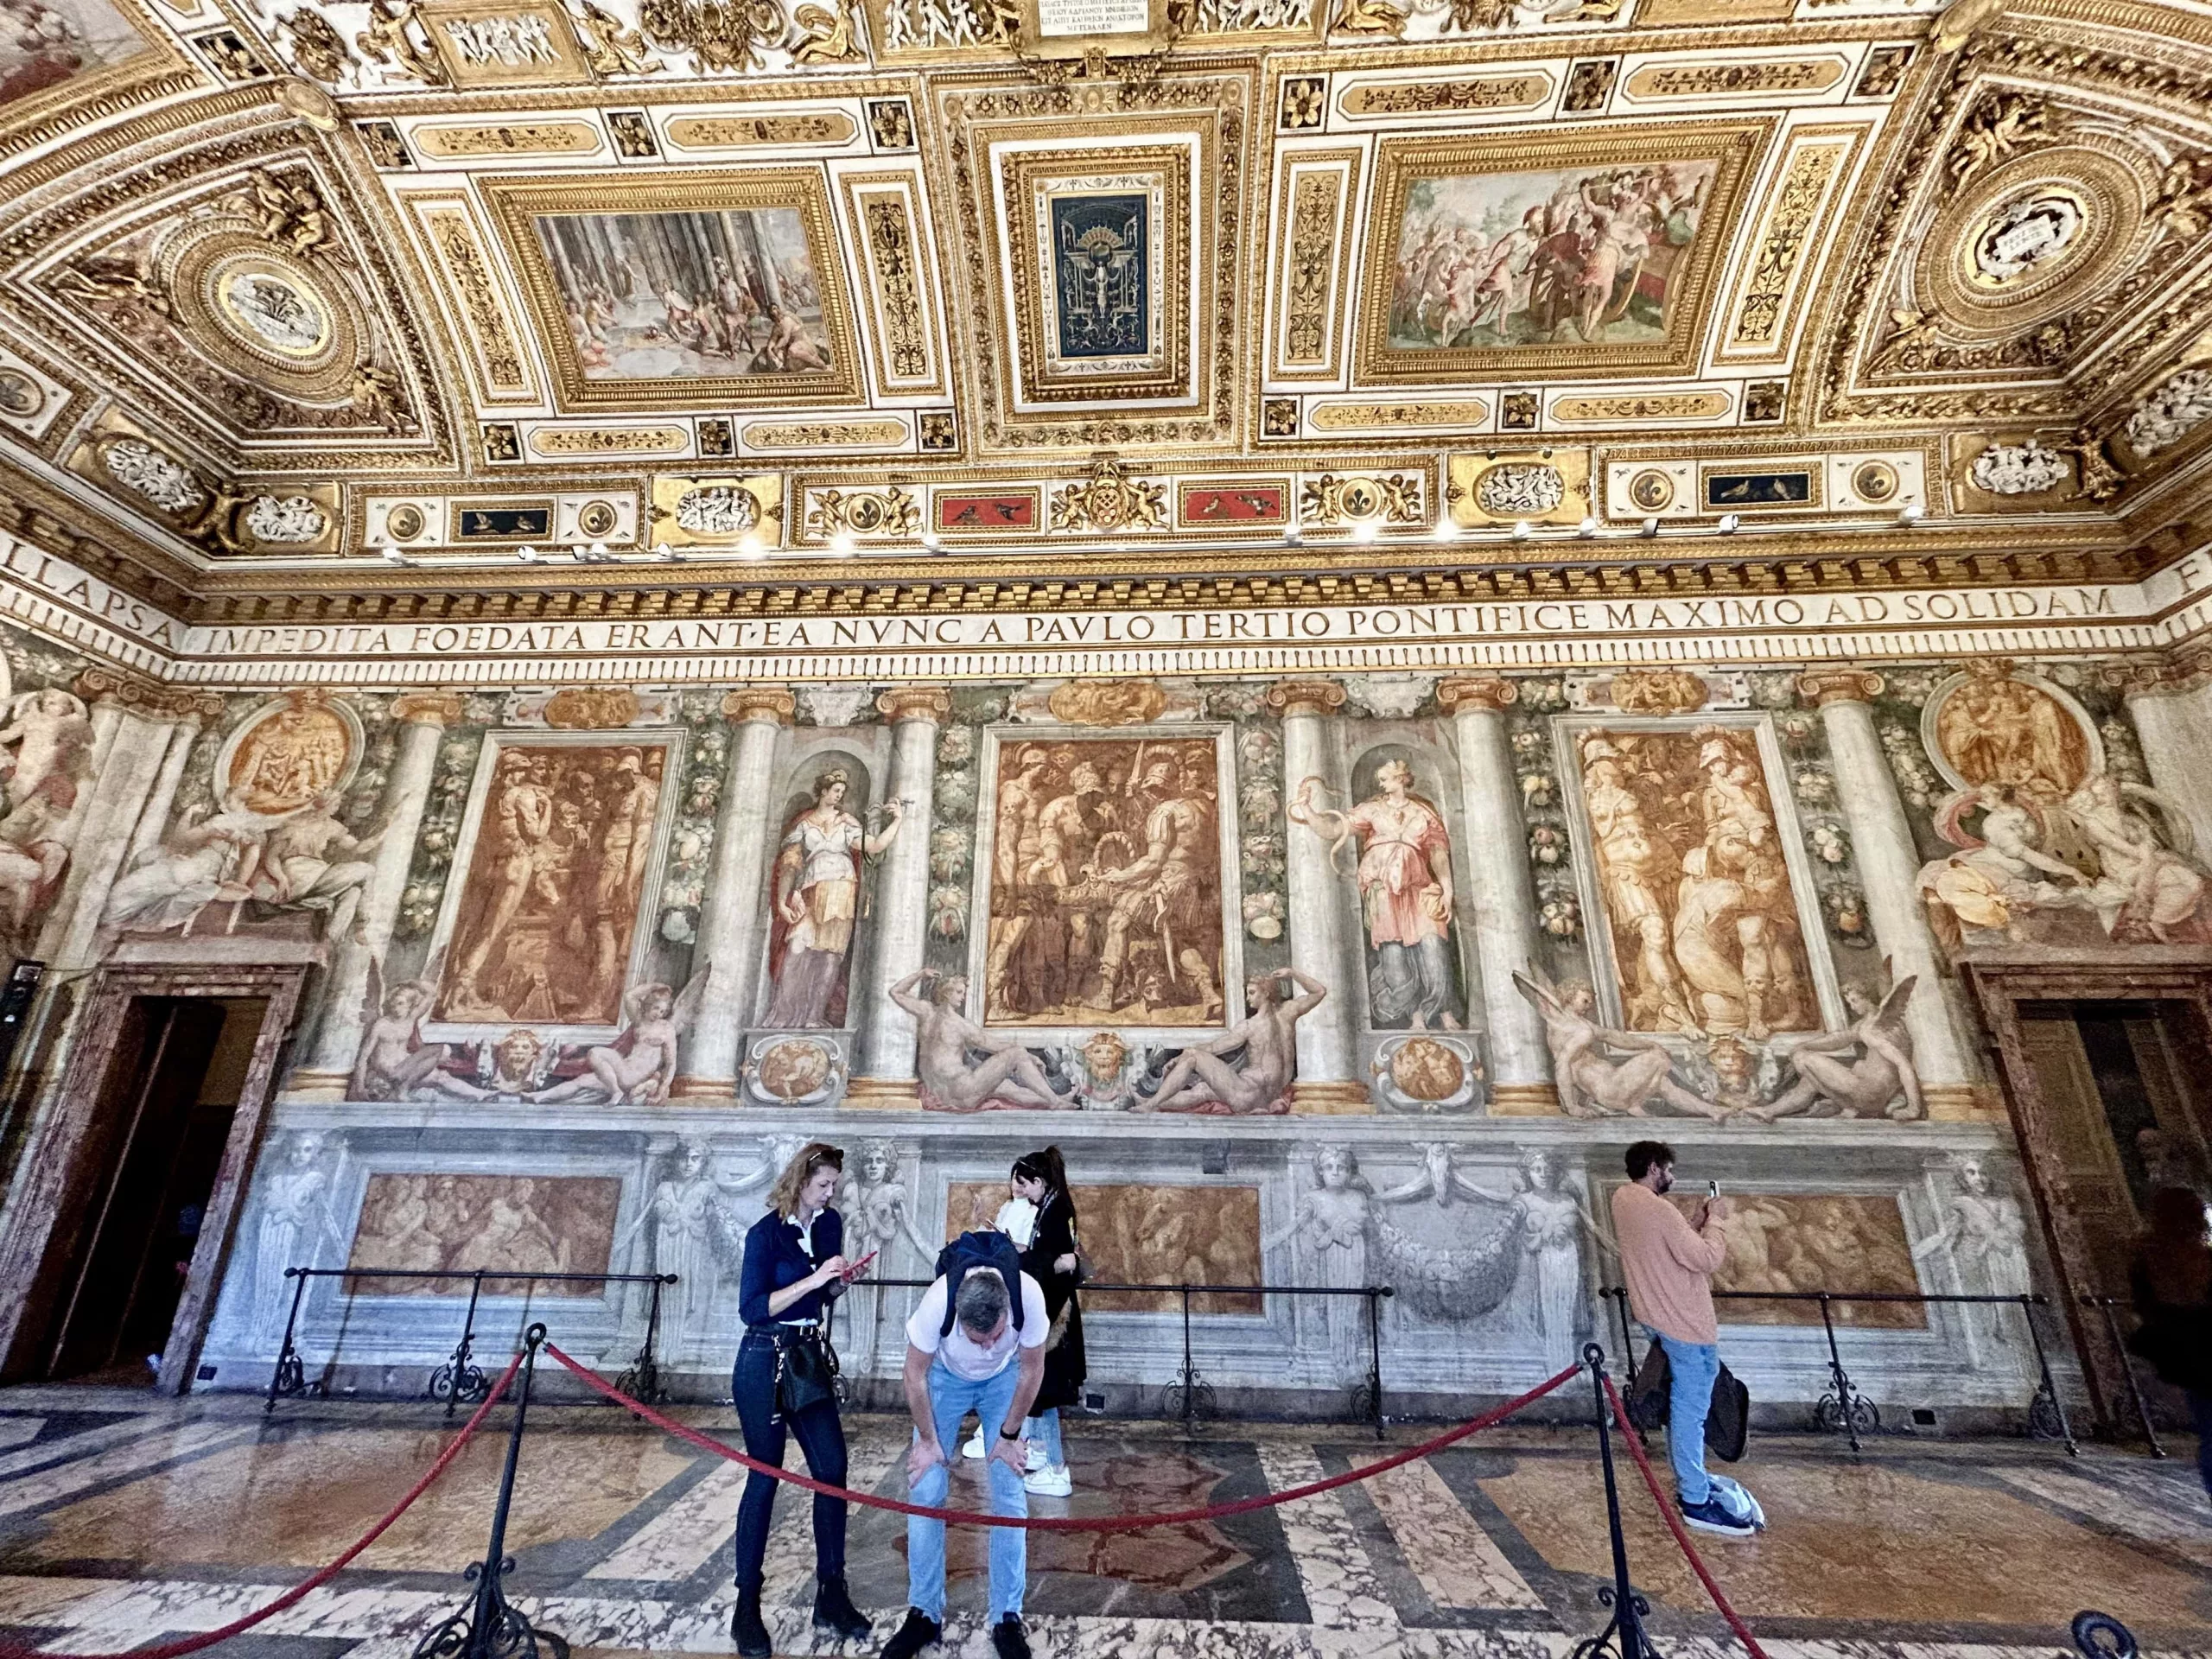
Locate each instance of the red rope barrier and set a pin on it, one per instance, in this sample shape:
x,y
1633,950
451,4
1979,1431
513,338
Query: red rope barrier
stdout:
x,y
316,1581
1060,1522
1674,1520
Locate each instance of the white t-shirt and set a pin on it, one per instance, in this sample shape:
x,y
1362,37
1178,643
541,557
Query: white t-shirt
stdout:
x,y
963,1355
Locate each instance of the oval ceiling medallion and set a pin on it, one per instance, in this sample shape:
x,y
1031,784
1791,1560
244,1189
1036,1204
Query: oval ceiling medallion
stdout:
x,y
2033,239
264,315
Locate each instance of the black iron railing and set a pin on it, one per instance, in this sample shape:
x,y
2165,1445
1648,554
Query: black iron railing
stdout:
x,y
1843,1409
2105,1305
458,1379
1190,1395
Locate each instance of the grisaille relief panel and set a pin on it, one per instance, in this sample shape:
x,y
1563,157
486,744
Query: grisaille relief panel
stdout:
x,y
1705,921
515,1224
544,921
1109,880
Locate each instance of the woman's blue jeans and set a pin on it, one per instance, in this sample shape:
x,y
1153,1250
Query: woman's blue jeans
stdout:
x,y
821,1436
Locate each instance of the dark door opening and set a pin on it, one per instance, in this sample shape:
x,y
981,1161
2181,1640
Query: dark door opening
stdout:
x,y
153,1148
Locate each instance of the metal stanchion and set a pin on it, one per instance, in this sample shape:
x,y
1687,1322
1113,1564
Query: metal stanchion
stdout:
x,y
460,1378
490,1626
1845,1408
1624,1635
2100,1636
642,1380
290,1376
2046,1412
2105,1305
1189,1395
1374,1358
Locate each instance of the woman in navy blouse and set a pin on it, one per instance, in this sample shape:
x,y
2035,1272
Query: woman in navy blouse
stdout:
x,y
793,1256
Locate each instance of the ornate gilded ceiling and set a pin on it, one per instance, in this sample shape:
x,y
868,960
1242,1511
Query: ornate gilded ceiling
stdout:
x,y
901,288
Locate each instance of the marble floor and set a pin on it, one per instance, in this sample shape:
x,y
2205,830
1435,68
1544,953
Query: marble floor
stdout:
x,y
124,1519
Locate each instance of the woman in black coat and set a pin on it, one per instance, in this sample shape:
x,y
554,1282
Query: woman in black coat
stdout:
x,y
1051,1258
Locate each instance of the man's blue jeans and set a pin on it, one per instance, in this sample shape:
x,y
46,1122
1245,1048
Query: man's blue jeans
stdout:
x,y
952,1398
1693,1368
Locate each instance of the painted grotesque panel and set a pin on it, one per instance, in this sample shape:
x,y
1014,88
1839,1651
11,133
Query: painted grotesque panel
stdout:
x,y
1106,890
1792,1243
1693,875
515,1224
1148,1236
546,916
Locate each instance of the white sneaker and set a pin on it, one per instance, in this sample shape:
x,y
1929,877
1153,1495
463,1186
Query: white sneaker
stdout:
x,y
1035,1459
973,1448
1049,1483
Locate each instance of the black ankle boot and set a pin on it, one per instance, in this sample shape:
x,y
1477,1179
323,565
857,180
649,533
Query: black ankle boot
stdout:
x,y
834,1610
745,1625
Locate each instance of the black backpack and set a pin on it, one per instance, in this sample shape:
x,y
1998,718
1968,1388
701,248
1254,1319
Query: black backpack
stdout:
x,y
972,1250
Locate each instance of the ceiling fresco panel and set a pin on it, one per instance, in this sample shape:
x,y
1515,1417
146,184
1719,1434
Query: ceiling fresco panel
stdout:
x,y
680,288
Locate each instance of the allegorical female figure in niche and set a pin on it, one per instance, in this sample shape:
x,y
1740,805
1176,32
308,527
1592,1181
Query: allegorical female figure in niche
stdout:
x,y
817,898
1405,888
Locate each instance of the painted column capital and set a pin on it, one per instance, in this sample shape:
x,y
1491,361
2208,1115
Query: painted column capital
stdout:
x,y
903,702
127,691
427,707
1468,693
1822,686
769,704
1310,697
2164,673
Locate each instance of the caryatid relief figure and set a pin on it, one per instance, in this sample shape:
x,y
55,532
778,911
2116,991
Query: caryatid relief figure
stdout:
x,y
878,1213
1203,1076
948,1043
1591,1082
1986,1233
295,1202
1864,1071
1332,1219
816,900
1405,888
694,1236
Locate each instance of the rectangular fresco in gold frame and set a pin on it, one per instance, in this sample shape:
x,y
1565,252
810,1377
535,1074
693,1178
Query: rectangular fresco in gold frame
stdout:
x,y
1635,304
99,55
691,290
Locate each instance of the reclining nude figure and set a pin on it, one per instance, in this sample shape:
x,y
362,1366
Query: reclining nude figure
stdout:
x,y
947,1042
1591,1082
1204,1076
1832,1080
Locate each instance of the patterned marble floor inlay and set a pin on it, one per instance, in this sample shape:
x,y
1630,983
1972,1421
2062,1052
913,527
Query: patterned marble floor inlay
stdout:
x,y
120,1527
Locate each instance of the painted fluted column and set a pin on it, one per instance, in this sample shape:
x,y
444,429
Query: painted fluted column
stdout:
x,y
195,708
2171,702
1889,865
1328,1036
1501,893
885,1067
422,717
131,725
736,904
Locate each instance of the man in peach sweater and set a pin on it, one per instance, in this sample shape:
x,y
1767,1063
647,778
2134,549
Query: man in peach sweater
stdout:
x,y
1668,1264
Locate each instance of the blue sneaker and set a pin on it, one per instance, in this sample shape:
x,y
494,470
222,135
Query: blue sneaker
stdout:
x,y
1713,1516
1740,1501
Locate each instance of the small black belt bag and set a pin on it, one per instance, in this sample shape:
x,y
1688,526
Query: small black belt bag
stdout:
x,y
806,1370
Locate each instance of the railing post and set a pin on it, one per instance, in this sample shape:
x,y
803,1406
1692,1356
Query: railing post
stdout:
x,y
1847,1402
642,1380
290,1376
490,1627
2046,1400
1374,1297
1624,1631
1618,1295
459,1378
2104,1305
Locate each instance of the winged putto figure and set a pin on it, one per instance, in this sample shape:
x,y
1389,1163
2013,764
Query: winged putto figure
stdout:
x,y
638,1066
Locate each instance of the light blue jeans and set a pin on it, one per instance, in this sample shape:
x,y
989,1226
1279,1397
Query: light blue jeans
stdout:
x,y
1045,1429
952,1398
1693,1368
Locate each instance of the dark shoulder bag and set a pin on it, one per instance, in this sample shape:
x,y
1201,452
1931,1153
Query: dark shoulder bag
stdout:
x,y
807,1371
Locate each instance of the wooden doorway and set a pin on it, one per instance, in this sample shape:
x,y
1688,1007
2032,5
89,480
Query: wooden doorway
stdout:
x,y
2106,1066
131,1186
